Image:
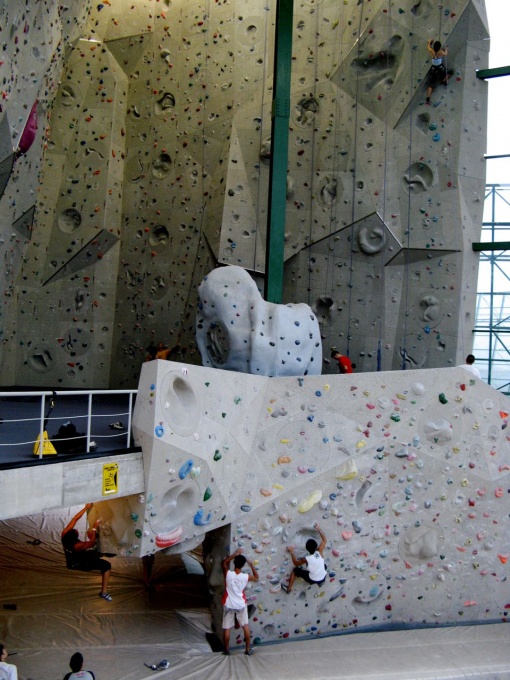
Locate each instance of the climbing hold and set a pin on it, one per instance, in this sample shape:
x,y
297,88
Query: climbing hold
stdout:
x,y
185,469
199,520
309,502
347,471
169,538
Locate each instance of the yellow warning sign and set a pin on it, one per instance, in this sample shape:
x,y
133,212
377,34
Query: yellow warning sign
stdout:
x,y
47,447
110,478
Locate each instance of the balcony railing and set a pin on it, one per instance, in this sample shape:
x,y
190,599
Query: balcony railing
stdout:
x,y
101,420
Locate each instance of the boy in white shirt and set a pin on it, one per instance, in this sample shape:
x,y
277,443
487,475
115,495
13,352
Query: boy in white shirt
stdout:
x,y
234,600
315,569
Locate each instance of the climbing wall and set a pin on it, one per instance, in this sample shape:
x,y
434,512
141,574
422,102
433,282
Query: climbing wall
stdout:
x,y
405,472
134,157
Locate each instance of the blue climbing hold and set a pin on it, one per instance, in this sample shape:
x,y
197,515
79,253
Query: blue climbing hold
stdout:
x,y
199,519
185,469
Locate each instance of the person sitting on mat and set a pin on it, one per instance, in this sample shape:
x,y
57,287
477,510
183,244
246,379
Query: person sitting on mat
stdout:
x,y
81,555
7,670
315,570
77,672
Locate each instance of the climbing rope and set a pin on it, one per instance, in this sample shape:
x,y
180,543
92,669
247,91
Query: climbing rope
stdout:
x,y
407,234
383,215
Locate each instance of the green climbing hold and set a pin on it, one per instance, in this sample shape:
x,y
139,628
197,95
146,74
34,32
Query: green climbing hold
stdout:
x,y
217,455
442,398
207,494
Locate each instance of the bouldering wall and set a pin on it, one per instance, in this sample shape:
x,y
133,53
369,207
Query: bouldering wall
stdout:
x,y
405,472
149,165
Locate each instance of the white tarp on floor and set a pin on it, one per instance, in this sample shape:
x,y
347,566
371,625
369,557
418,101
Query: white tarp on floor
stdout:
x,y
49,612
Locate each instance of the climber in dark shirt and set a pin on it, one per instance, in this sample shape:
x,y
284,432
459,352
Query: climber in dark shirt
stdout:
x,y
81,555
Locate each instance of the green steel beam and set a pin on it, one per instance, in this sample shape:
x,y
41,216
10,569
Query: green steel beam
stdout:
x,y
279,152
486,73
491,245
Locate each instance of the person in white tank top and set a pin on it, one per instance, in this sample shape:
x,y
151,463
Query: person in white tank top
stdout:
x,y
311,568
438,72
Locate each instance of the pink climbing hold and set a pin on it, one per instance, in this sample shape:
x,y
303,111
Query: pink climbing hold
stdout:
x,y
347,535
28,134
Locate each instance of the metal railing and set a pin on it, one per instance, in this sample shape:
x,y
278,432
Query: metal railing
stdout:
x,y
82,410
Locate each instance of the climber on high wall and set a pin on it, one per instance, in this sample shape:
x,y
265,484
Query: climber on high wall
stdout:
x,y
438,73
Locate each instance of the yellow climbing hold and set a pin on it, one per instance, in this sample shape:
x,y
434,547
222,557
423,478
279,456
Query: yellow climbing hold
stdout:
x,y
284,441
347,471
309,502
279,487
361,444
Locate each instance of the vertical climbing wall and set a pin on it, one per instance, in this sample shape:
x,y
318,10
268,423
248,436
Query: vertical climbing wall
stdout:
x,y
150,161
405,472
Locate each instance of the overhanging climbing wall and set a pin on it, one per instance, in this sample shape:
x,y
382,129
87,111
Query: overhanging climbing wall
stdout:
x,y
406,473
150,164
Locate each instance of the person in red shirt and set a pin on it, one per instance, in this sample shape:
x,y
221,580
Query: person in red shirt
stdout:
x,y
344,363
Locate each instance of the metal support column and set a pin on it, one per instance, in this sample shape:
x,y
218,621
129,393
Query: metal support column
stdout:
x,y
279,152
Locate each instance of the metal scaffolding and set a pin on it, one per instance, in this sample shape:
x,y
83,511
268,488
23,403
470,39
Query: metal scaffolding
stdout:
x,y
492,323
